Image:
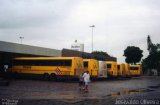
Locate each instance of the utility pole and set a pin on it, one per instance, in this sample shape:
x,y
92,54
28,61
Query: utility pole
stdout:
x,y
92,35
21,38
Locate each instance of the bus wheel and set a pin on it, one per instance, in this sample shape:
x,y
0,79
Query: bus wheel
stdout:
x,y
46,76
53,77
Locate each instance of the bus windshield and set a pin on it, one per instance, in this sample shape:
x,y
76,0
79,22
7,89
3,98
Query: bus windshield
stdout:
x,y
109,66
118,67
85,64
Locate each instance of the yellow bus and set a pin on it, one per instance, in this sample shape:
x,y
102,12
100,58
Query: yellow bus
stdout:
x,y
121,70
141,70
135,70
102,69
91,65
127,71
49,67
111,68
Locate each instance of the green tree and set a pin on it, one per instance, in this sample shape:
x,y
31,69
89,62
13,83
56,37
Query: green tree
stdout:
x,y
133,54
152,61
100,53
152,48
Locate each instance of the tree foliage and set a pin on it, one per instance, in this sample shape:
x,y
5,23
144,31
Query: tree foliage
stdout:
x,y
152,61
100,53
152,48
133,54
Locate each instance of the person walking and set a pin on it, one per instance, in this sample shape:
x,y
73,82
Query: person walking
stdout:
x,y
86,77
81,82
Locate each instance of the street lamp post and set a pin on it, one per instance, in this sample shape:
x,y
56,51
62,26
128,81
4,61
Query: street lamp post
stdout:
x,y
21,38
92,35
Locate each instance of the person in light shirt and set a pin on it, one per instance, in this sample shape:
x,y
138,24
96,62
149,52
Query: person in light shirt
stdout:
x,y
86,77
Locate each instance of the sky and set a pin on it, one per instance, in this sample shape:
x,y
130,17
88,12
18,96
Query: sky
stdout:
x,y
58,23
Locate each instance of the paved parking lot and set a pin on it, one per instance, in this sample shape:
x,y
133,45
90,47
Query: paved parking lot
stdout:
x,y
100,92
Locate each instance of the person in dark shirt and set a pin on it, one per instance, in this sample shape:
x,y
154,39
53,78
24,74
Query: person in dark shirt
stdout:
x,y
81,82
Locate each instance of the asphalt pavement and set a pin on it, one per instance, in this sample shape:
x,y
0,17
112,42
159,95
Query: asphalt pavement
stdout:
x,y
144,90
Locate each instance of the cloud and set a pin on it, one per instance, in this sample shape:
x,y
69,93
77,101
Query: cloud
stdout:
x,y
57,23
30,13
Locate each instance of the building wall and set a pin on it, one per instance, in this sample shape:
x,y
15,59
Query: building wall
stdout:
x,y
70,53
27,49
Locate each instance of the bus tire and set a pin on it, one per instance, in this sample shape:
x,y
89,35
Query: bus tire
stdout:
x,y
46,76
53,77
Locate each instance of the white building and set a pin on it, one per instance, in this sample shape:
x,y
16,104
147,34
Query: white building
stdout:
x,y
77,46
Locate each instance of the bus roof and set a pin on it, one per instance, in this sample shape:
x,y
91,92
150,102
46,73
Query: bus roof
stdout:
x,y
119,63
43,58
111,62
134,65
89,60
